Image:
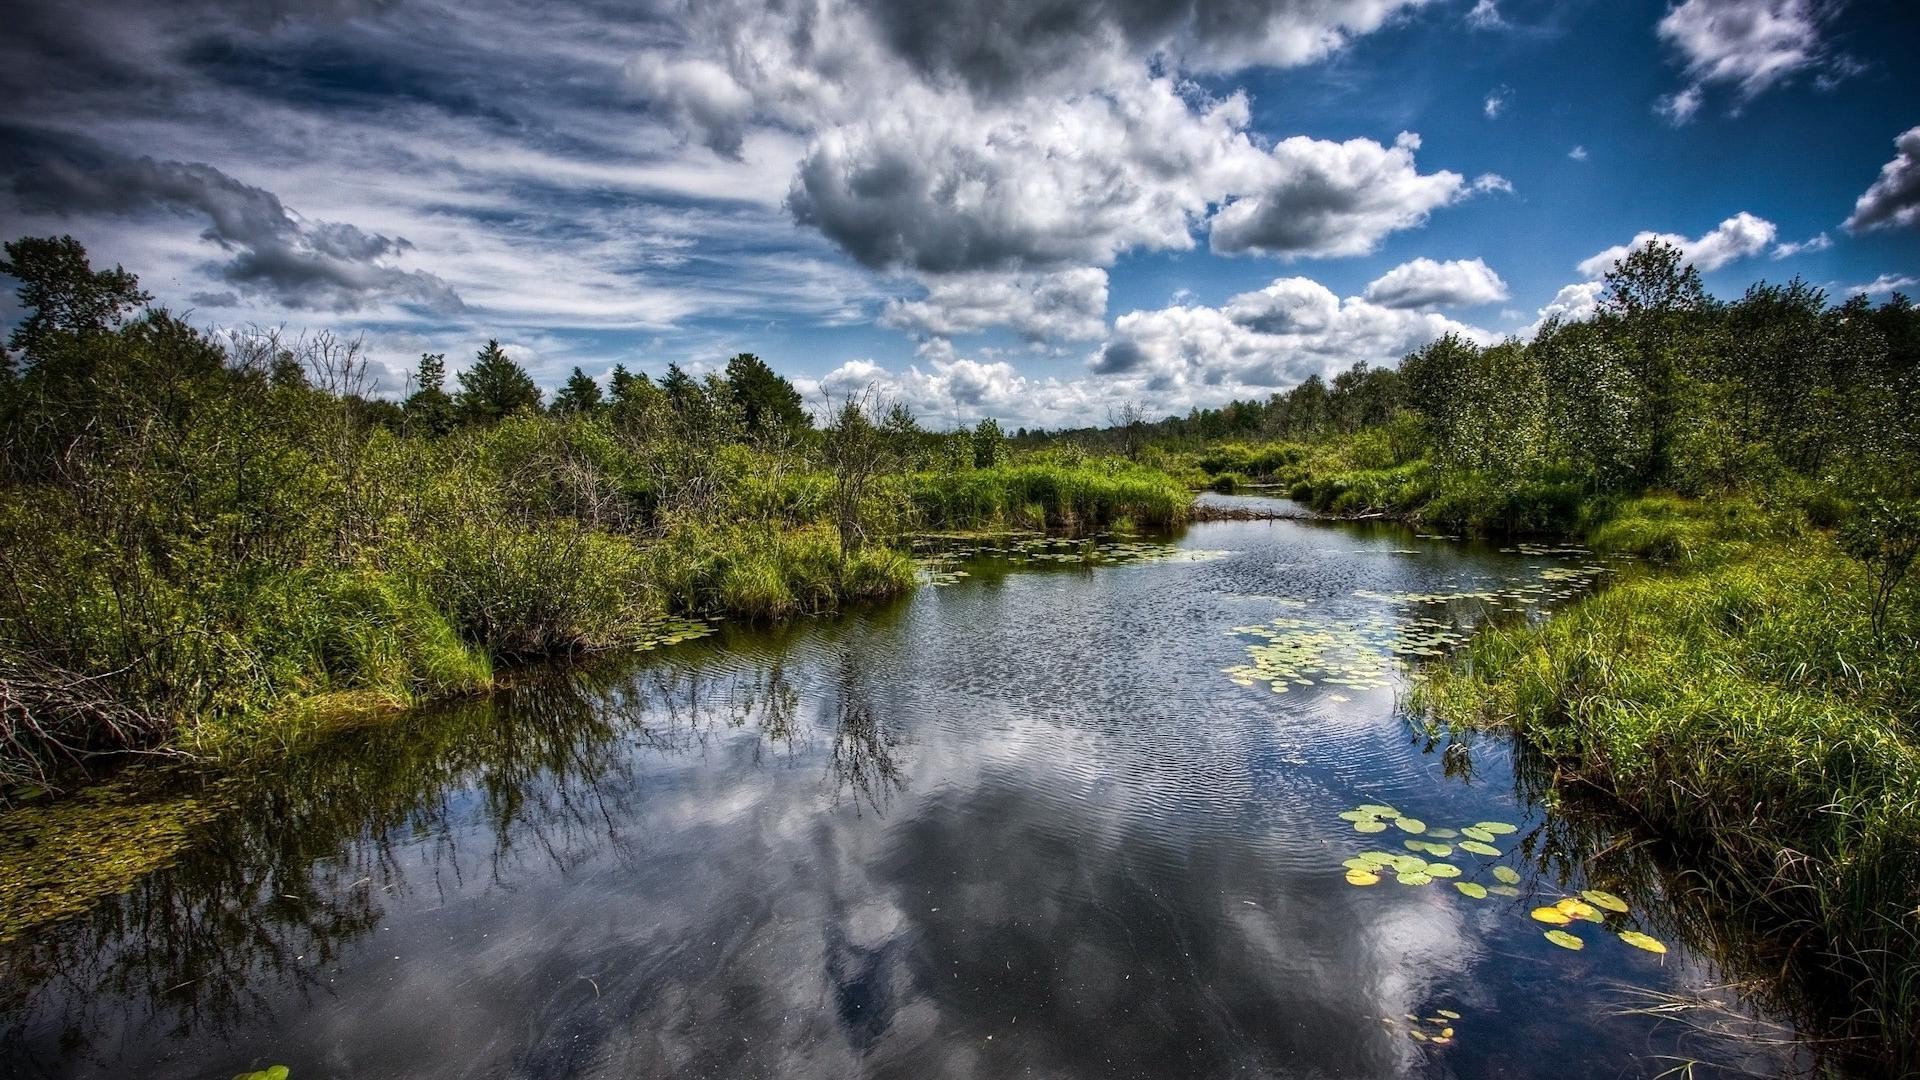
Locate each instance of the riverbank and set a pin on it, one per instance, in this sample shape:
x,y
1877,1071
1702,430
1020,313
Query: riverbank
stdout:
x,y
1736,697
1733,692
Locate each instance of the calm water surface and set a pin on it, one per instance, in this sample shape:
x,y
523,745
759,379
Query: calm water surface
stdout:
x,y
1022,824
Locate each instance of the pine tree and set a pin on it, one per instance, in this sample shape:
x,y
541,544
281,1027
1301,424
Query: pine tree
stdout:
x,y
581,395
429,409
494,387
768,404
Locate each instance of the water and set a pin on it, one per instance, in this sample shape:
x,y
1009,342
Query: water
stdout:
x,y
1020,824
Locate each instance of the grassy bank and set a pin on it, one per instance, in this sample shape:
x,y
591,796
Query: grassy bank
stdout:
x,y
1737,698
211,539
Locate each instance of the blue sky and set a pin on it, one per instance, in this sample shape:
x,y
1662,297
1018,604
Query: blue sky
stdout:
x,y
1031,209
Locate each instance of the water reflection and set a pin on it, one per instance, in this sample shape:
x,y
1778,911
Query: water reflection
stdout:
x,y
1022,823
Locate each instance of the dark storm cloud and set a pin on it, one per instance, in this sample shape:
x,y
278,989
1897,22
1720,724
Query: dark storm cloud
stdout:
x,y
1117,358
1000,46
323,265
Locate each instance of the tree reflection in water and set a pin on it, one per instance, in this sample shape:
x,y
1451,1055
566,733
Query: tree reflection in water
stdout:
x,y
264,904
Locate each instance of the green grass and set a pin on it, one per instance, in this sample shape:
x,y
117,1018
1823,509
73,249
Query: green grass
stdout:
x,y
1741,705
1049,495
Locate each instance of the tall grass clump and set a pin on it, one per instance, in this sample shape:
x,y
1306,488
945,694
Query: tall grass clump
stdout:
x,y
1053,495
1750,712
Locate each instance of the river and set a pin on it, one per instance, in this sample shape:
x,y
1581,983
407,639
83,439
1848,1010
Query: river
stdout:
x,y
1054,816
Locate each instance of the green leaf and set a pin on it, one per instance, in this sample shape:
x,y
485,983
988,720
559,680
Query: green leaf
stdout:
x,y
1498,828
1507,875
1641,941
1565,940
1472,888
1412,825
1604,899
1479,848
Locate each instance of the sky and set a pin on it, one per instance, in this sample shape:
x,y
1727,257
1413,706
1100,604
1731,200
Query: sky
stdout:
x,y
1035,210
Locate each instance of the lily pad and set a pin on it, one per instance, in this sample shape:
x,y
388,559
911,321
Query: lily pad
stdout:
x,y
1362,877
1507,875
1448,1013
1369,826
1579,909
1412,825
1565,940
1378,810
1418,877
1503,890
1641,941
1355,815
1474,832
1359,864
1601,898
1498,828
1472,888
1551,915
1443,834
1479,848
1442,870
1376,858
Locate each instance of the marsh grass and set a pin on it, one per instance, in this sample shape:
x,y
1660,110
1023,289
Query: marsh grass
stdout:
x,y
1741,705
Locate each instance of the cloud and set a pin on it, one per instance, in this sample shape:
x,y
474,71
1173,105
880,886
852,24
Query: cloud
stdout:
x,y
996,47
1820,242
1885,283
939,184
1894,199
1578,153
1169,359
1327,198
1738,237
1261,341
1068,305
1485,15
1577,302
1424,283
1751,45
301,263
1497,101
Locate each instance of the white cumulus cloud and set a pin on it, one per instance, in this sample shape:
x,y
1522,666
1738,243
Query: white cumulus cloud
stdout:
x,y
1738,237
1425,283
1750,45
1894,199
1317,197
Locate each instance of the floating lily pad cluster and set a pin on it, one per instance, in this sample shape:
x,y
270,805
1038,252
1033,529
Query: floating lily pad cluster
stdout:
x,y
274,1072
1302,652
1420,839
1430,846
673,632
939,563
1437,1030
1595,906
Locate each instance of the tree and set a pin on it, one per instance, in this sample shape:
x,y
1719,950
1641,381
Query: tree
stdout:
x,y
1129,420
494,387
856,449
768,404
989,444
1885,535
1654,304
64,295
580,396
429,408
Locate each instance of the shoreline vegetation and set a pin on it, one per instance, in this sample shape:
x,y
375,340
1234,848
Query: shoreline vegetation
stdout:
x,y
210,541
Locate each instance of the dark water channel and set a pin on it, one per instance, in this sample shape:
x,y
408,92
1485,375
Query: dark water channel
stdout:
x,y
1025,823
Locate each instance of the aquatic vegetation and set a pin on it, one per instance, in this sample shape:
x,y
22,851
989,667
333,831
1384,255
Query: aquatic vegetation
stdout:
x,y
60,857
1641,941
1742,705
1436,1030
272,1072
1565,940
